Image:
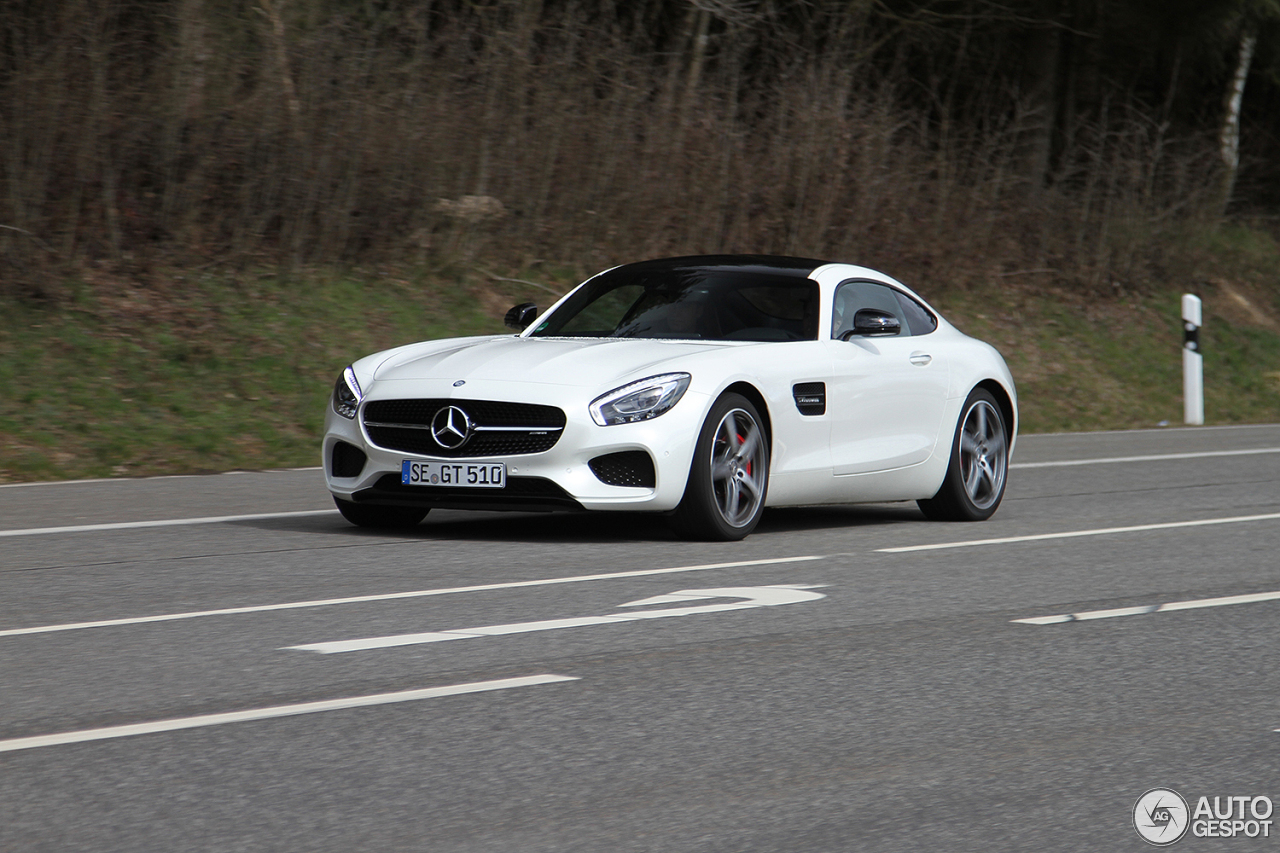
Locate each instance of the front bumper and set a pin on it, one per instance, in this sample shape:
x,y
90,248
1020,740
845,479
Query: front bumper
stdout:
x,y
558,478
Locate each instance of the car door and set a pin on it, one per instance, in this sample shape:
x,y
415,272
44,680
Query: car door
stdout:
x,y
889,391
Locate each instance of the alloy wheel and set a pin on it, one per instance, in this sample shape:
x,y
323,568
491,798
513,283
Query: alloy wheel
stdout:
x,y
739,467
983,460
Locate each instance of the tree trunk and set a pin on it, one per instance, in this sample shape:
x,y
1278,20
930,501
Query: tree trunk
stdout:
x,y
1043,72
1229,135
697,56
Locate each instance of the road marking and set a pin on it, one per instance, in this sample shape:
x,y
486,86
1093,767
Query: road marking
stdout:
x,y
756,596
1141,610
1166,430
1072,534
278,711
1158,457
391,596
156,477
163,522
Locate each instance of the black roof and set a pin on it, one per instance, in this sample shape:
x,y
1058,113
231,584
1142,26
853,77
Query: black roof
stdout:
x,y
776,264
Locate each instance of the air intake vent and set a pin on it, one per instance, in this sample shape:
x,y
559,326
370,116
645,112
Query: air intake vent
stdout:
x,y
346,461
628,468
811,397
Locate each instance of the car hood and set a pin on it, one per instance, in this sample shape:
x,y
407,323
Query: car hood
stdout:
x,y
577,362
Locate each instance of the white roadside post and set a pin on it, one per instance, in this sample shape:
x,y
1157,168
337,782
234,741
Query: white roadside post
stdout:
x,y
1192,361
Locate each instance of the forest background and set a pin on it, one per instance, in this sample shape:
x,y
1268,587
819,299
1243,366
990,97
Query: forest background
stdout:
x,y
208,207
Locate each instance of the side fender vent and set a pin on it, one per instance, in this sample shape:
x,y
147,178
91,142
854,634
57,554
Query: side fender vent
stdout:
x,y
811,397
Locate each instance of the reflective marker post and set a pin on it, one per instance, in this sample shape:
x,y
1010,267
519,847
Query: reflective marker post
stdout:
x,y
1192,361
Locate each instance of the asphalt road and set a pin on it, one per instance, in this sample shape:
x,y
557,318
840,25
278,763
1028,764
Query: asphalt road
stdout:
x,y
856,698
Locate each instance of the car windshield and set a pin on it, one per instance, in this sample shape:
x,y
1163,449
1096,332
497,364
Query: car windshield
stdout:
x,y
718,303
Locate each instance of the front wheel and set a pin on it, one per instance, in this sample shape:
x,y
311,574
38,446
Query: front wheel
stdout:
x,y
974,485
729,475
380,517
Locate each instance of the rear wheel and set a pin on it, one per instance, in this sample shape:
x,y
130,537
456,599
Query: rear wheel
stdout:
x,y
974,485
729,476
380,517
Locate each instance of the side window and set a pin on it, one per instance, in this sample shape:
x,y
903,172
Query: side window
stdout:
x,y
853,296
918,317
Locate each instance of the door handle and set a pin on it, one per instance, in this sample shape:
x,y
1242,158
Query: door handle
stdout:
x,y
920,359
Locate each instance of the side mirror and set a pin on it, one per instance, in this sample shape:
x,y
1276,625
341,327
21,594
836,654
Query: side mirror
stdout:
x,y
521,316
872,322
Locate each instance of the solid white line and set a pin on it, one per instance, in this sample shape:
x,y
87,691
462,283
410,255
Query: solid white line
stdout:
x,y
278,711
391,596
156,477
163,522
1071,534
103,480
1158,457
1196,604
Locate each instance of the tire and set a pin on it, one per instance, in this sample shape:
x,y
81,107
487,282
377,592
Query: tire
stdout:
x,y
381,517
729,476
977,472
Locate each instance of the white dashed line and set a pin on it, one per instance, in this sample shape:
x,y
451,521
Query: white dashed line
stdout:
x,y
1142,610
278,711
1072,534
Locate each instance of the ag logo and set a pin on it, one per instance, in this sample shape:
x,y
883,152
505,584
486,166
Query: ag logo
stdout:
x,y
1161,816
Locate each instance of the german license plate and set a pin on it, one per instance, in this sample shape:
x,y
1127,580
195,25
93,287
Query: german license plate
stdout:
x,y
479,475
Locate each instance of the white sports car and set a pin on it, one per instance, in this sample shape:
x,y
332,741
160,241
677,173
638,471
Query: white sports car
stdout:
x,y
706,388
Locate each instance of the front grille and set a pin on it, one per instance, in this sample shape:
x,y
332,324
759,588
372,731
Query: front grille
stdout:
x,y
628,468
481,444
498,428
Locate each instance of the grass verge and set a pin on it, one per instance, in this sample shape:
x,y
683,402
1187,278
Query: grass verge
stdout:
x,y
208,372
1117,364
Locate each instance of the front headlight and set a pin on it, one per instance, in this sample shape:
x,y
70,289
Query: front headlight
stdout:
x,y
639,401
347,394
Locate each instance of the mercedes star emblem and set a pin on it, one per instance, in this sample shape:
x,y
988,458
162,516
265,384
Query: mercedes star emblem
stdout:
x,y
451,427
